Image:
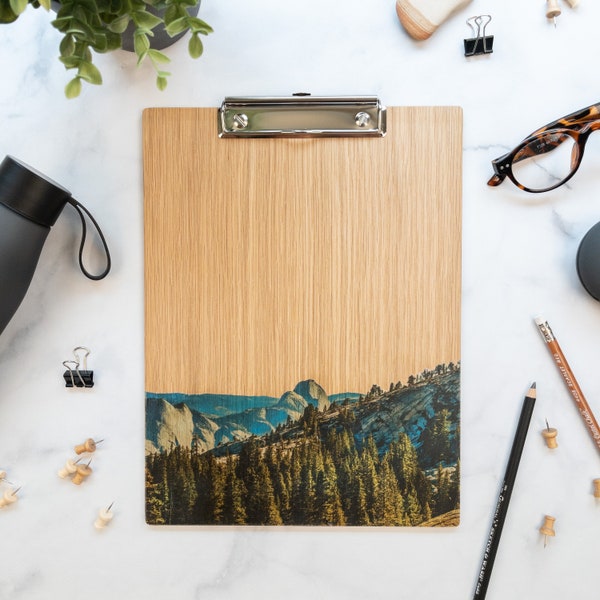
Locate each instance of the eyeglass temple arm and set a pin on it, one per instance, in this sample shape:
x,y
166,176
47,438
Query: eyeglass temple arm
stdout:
x,y
576,120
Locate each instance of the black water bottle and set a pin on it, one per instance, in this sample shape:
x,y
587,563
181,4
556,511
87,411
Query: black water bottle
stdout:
x,y
30,203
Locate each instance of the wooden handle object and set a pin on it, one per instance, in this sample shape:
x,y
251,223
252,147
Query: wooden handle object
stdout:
x,y
421,18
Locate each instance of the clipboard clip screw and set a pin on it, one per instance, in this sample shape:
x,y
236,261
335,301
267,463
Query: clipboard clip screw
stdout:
x,y
362,119
239,121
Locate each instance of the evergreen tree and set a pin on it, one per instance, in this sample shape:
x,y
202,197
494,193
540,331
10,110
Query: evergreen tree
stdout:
x,y
234,511
412,509
359,514
368,477
389,505
154,503
447,490
182,487
328,496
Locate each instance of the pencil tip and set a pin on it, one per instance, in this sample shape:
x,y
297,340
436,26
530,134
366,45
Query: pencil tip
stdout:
x,y
533,386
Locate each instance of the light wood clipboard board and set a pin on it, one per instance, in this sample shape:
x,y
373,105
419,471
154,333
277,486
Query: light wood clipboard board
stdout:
x,y
269,261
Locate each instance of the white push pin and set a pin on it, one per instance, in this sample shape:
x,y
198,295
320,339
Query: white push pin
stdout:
x,y
9,497
69,469
104,517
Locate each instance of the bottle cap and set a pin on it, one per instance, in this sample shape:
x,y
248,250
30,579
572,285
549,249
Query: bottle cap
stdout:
x,y
30,193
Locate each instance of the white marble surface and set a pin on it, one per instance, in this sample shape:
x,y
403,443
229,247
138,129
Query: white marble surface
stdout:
x,y
519,253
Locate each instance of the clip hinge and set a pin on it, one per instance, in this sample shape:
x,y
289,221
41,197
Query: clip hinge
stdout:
x,y
302,115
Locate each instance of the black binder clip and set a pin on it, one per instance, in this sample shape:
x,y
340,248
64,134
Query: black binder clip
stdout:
x,y
481,43
76,377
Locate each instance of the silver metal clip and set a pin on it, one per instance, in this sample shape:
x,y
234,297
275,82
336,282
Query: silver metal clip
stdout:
x,y
302,115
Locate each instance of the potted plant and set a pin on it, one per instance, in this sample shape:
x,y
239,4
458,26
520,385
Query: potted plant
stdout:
x,y
142,26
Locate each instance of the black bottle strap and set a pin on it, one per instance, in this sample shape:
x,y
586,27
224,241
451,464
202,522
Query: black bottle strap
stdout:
x,y
81,209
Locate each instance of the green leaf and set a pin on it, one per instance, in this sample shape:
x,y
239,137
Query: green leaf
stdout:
x,y
141,57
144,19
141,44
89,5
176,26
199,25
81,28
73,88
195,47
119,25
70,62
171,13
158,57
67,46
101,43
89,72
161,83
6,14
18,6
45,4
113,41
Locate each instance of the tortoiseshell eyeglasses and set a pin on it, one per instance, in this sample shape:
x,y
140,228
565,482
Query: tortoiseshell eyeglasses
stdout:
x,y
549,156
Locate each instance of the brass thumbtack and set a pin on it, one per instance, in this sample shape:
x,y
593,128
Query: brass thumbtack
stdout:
x,y
547,528
597,488
549,434
81,473
88,446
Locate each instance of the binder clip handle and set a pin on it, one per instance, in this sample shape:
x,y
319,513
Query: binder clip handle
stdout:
x,y
480,43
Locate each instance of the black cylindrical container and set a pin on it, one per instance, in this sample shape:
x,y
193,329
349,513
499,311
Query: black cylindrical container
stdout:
x,y
30,203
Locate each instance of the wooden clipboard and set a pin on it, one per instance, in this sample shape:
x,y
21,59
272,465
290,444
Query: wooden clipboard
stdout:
x,y
271,261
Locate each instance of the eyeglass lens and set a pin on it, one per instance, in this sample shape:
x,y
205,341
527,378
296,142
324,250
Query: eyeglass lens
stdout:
x,y
546,161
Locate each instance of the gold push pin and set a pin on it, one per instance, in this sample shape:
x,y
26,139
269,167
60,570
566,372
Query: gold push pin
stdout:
x,y
597,488
81,473
104,517
547,528
88,446
69,469
549,434
9,497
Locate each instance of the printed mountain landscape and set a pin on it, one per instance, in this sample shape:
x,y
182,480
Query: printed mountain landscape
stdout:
x,y
384,457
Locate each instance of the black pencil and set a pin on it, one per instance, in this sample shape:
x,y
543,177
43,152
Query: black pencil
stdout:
x,y
493,540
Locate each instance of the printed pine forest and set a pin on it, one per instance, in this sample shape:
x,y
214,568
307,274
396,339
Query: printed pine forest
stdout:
x,y
383,458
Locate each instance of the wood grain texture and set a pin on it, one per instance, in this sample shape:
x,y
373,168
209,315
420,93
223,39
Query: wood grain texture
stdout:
x,y
270,261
